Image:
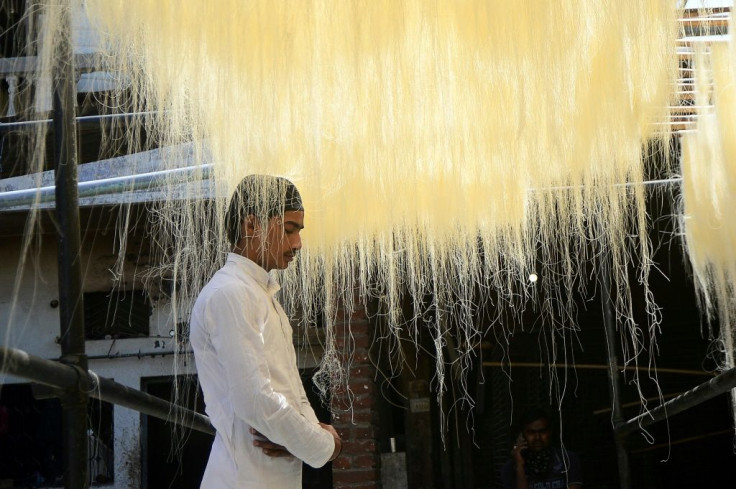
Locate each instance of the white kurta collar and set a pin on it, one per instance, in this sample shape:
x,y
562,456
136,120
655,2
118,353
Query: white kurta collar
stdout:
x,y
253,270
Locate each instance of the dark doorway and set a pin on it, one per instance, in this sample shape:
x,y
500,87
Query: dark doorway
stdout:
x,y
316,478
173,457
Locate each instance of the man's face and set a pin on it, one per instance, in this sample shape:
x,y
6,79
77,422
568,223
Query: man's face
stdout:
x,y
282,240
536,434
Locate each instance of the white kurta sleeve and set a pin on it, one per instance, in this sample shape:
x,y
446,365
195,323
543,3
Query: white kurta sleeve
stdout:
x,y
236,318
307,409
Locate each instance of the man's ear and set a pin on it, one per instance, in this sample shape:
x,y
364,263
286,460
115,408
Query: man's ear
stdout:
x,y
249,226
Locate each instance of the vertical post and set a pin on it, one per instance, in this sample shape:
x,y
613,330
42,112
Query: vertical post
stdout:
x,y
71,307
613,376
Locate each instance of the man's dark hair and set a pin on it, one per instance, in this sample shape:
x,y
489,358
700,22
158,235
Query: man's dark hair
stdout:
x,y
532,415
263,196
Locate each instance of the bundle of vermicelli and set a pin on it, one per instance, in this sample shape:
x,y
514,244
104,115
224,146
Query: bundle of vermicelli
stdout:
x,y
442,148
709,192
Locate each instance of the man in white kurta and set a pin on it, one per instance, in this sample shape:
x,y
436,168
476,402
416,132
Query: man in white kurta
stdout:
x,y
242,341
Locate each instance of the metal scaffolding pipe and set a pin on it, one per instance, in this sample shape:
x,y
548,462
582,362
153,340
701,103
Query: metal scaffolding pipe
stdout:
x,y
622,456
25,65
71,310
82,121
720,384
106,186
54,374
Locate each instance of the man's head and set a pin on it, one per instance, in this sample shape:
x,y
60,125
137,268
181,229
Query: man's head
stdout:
x,y
535,427
264,219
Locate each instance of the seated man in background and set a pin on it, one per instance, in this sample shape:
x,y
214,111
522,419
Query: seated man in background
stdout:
x,y
535,464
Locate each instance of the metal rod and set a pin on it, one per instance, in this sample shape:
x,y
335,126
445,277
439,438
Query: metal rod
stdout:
x,y
111,391
664,181
71,310
54,374
624,472
19,363
22,65
671,443
106,186
82,121
720,384
595,366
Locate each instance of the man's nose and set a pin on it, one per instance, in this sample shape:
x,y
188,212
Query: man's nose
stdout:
x,y
296,242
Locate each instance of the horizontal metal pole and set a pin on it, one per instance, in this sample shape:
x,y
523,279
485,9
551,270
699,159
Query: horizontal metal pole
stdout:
x,y
597,366
54,374
664,181
724,382
121,395
22,364
81,121
23,65
106,186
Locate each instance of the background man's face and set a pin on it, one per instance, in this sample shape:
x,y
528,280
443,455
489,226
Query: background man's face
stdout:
x,y
537,434
282,241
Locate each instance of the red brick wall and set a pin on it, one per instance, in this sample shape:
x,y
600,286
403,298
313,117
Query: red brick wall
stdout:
x,y
359,464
